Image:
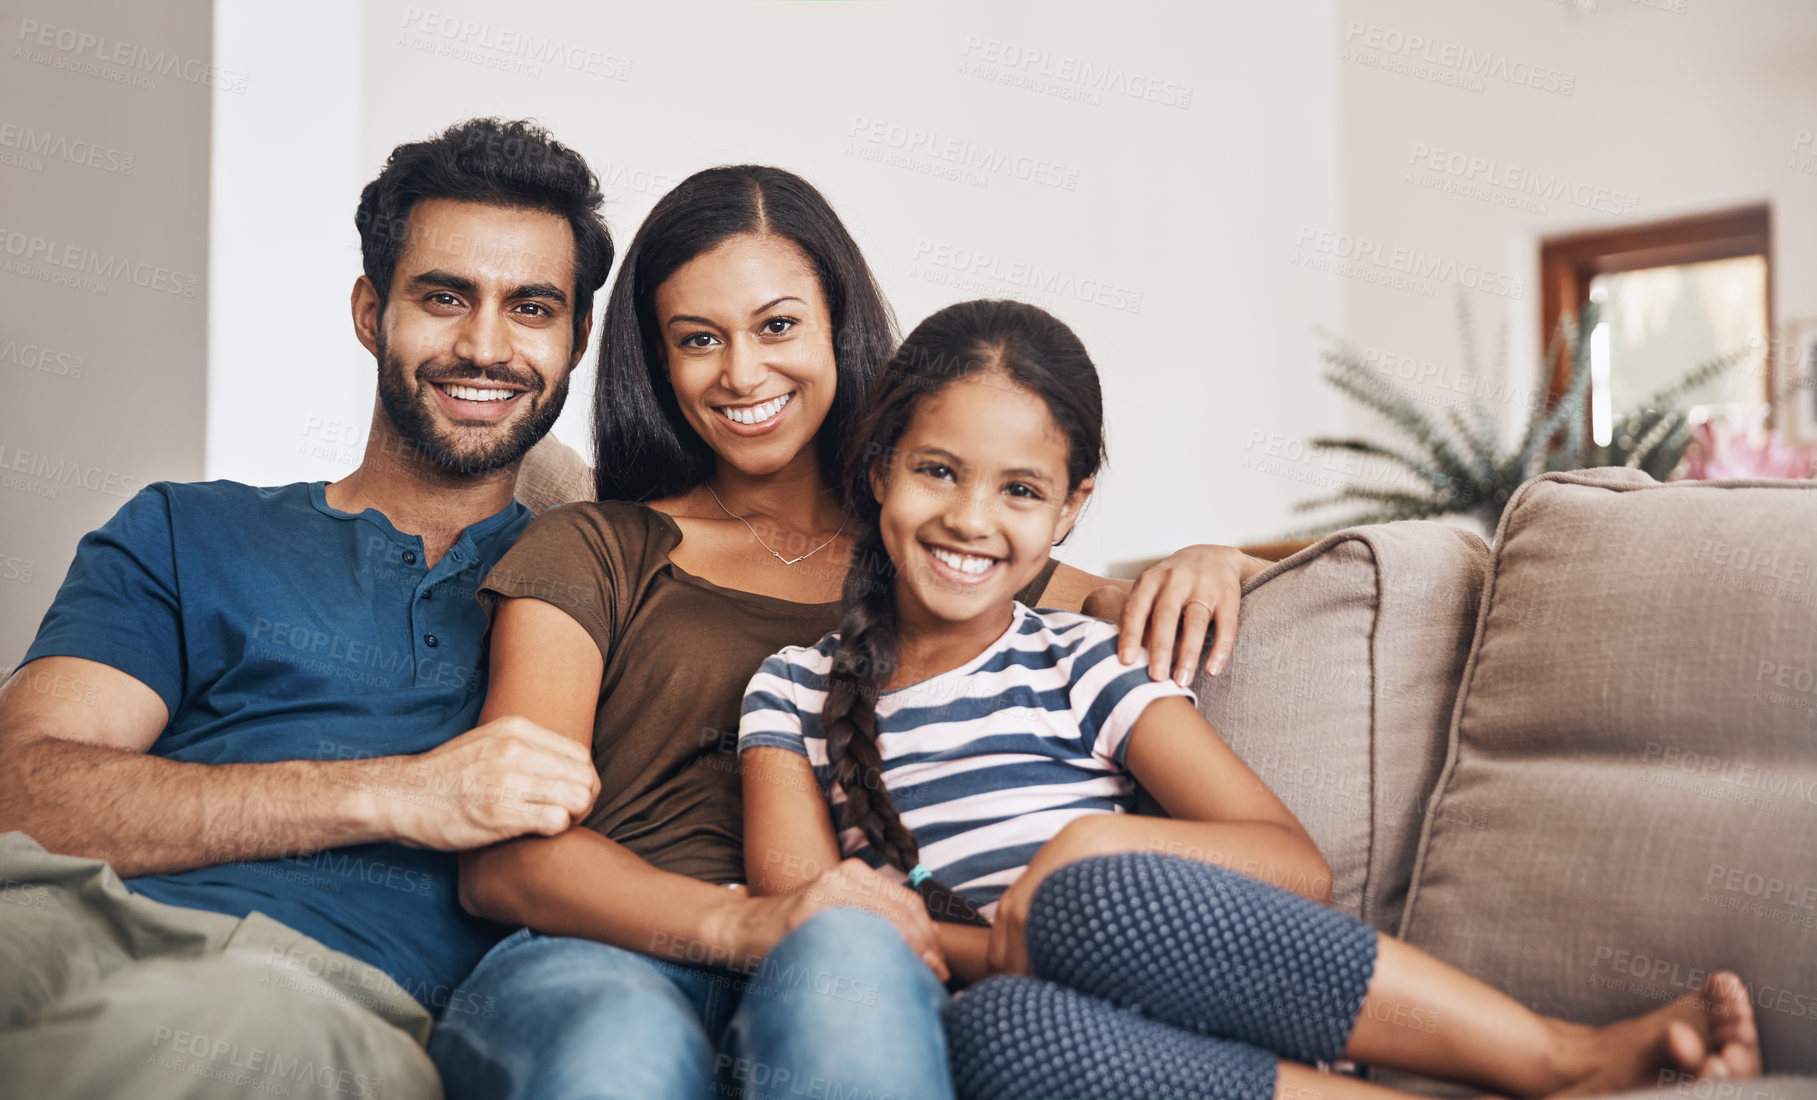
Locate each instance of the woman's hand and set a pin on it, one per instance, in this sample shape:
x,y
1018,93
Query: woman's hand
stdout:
x,y
1174,604
762,922
1082,838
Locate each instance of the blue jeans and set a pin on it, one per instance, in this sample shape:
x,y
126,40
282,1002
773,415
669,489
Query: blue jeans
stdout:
x,y
839,1008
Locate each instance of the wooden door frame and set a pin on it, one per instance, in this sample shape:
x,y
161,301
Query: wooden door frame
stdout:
x,y
1568,263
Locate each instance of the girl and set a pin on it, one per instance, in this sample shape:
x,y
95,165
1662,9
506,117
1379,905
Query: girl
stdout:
x,y
987,755
742,331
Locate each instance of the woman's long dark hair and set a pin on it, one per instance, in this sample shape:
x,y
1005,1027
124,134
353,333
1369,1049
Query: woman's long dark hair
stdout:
x,y
642,445
1034,350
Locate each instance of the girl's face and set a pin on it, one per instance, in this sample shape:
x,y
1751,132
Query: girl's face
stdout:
x,y
748,344
973,498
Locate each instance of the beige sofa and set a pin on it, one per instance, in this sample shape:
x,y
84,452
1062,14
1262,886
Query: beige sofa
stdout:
x,y
1581,766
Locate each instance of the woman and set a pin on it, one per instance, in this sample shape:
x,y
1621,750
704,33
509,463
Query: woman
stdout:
x,y
742,334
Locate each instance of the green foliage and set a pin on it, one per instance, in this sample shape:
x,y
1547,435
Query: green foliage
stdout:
x,y
1460,467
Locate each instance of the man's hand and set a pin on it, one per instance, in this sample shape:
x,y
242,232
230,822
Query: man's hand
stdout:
x,y
851,884
500,780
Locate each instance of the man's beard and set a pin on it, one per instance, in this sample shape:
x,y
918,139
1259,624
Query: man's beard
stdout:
x,y
422,438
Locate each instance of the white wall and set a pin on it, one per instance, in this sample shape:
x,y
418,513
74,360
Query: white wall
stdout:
x,y
290,394
1297,127
1683,107
104,112
1166,211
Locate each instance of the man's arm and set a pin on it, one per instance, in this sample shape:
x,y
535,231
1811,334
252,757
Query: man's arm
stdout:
x,y
76,776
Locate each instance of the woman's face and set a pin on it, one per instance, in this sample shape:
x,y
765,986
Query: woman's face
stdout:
x,y
748,343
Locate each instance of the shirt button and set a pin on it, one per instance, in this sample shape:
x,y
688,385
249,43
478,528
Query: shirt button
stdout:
x,y
410,557
430,641
427,592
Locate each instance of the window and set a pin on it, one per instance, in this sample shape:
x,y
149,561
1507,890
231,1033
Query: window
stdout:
x,y
1673,295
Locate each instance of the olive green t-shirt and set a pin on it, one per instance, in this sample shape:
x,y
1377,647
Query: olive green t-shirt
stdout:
x,y
679,651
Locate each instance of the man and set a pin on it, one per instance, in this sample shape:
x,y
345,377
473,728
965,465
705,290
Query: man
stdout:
x,y
255,705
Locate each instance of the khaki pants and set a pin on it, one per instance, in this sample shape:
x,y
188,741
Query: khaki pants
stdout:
x,y
107,994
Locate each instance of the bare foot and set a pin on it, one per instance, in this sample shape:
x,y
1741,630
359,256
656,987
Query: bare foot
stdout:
x,y
1706,1034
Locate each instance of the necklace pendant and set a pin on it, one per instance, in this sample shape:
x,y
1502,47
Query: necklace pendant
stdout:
x,y
767,546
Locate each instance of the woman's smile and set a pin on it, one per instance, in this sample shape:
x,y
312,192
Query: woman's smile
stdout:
x,y
758,417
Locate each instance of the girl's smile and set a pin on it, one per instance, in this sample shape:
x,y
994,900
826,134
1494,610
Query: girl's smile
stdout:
x,y
973,497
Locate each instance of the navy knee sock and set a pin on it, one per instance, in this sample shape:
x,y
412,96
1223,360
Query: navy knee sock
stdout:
x,y
1204,949
1015,1038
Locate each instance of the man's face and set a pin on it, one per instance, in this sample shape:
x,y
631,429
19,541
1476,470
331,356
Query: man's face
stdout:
x,y
476,341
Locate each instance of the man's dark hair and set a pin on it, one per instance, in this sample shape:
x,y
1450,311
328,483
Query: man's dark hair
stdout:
x,y
487,160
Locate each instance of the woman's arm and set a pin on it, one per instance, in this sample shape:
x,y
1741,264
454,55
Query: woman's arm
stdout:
x,y
1220,812
1168,609
546,667
790,851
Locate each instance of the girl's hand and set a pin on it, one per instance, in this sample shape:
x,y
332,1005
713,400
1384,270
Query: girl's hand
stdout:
x,y
1080,839
1176,602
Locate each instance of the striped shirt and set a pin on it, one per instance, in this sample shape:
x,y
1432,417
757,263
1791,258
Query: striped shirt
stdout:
x,y
986,762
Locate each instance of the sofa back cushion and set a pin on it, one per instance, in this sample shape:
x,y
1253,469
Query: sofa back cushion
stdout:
x,y
1339,693
1630,801
553,474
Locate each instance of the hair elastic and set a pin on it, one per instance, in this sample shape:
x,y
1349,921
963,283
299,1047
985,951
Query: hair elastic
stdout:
x,y
919,874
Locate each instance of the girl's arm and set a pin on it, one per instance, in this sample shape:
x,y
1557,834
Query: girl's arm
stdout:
x,y
547,668
1220,812
1169,609
789,847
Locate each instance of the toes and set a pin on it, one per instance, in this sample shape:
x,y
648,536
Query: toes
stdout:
x,y
1741,1059
1686,1047
1736,1036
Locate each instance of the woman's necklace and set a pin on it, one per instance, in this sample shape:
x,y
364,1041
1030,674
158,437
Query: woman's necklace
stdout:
x,y
767,546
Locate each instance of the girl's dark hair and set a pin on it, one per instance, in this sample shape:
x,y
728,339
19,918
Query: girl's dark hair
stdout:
x,y
487,160
1032,349
643,447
